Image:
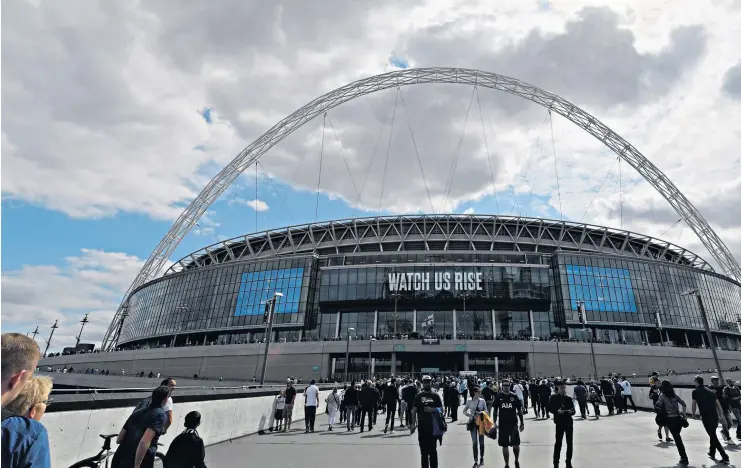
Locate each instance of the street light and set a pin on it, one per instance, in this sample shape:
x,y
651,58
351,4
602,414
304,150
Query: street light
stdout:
x,y
48,342
347,352
657,312
396,315
696,293
581,309
269,313
465,316
79,336
370,357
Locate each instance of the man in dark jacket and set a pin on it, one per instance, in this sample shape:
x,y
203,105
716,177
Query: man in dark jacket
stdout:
x,y
351,402
367,405
562,407
544,396
534,397
608,392
619,403
407,394
454,401
580,393
390,399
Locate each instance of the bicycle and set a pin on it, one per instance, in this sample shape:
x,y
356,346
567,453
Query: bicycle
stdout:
x,y
101,460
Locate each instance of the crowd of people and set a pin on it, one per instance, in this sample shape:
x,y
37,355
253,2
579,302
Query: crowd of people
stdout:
x,y
494,409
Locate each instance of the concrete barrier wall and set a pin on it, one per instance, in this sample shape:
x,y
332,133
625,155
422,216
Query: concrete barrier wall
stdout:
x,y
73,435
312,360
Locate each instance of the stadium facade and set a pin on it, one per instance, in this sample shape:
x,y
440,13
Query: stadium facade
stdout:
x,y
467,278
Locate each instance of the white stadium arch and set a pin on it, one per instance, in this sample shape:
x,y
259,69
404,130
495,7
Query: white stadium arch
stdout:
x,y
394,79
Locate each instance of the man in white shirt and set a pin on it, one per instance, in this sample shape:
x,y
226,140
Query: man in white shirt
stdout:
x,y
311,396
517,389
627,394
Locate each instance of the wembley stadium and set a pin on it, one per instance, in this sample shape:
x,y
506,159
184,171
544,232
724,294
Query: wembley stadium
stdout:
x,y
451,277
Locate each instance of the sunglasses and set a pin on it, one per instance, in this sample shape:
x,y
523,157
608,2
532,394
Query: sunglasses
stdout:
x,y
48,401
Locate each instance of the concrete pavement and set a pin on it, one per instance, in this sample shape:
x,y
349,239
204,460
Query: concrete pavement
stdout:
x,y
628,440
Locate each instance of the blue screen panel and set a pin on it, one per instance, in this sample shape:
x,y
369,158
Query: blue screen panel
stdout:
x,y
602,289
259,286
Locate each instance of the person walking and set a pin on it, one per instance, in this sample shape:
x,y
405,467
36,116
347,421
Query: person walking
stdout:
x,y
455,401
534,397
562,407
351,402
723,415
463,390
488,394
311,398
367,404
390,398
732,395
544,396
667,410
619,402
472,410
594,398
627,394
408,394
425,403
580,393
343,410
705,399
608,392
506,409
654,393
333,406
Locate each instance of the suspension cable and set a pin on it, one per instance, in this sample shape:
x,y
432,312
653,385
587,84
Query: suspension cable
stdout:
x,y
555,163
342,153
515,206
451,176
670,228
319,181
416,150
600,188
488,155
256,198
282,199
373,156
620,190
388,151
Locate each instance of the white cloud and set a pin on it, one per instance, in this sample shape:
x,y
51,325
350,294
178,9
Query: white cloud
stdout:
x,y
469,210
256,204
102,103
94,281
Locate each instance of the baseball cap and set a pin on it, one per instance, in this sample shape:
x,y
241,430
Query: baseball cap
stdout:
x,y
715,377
426,377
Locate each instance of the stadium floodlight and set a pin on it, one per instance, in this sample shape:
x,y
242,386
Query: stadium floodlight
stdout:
x,y
269,313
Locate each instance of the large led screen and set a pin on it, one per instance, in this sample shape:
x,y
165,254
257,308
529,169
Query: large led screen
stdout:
x,y
259,286
601,289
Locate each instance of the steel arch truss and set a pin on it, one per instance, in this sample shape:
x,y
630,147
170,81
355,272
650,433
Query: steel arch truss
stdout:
x,y
156,261
437,233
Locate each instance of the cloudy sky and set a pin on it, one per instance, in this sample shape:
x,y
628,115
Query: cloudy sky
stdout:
x,y
116,114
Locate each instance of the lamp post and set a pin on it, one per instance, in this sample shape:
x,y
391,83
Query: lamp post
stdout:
x,y
706,324
465,316
269,313
370,357
35,332
558,352
396,315
79,335
48,342
581,307
347,352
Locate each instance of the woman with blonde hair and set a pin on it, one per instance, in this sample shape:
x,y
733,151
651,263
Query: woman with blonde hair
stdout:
x,y
33,399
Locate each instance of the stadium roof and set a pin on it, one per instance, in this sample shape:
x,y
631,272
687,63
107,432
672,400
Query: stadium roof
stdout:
x,y
439,233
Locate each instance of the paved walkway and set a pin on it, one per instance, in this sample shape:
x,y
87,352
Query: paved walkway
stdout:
x,y
628,440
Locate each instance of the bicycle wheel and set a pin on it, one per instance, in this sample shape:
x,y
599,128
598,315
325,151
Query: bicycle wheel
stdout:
x,y
159,460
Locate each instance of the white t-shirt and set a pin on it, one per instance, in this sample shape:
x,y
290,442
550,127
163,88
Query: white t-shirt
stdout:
x,y
168,406
280,402
517,388
312,395
626,387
